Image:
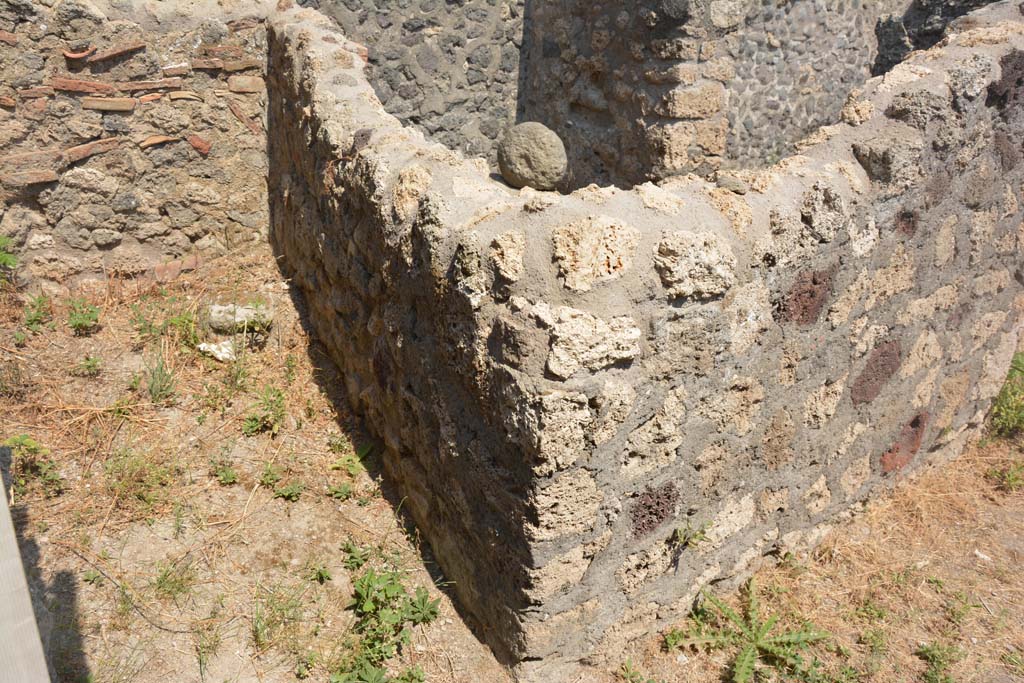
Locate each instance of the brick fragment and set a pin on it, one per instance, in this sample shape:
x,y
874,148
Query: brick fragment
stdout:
x,y
80,85
124,49
200,144
151,97
79,152
8,37
8,102
38,91
179,70
242,64
162,84
109,103
184,95
246,84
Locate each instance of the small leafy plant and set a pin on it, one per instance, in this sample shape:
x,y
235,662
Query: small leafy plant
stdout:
x,y
290,492
8,261
690,537
226,474
754,639
83,318
267,415
38,312
1009,479
1007,416
160,382
631,674
89,366
938,658
30,464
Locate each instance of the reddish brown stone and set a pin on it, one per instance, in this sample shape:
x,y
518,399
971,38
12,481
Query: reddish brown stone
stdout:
x,y
907,445
207,64
38,91
653,507
882,364
8,37
79,152
906,223
165,272
162,84
807,297
117,51
8,102
81,85
154,140
35,109
151,97
182,70
199,144
284,5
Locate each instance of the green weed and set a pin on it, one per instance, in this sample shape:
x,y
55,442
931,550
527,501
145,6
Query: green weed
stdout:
x,y
1007,415
160,382
276,612
319,574
271,475
631,674
939,659
267,415
342,491
83,318
29,465
38,312
690,537
1009,479
290,492
753,638
131,477
8,261
89,366
173,580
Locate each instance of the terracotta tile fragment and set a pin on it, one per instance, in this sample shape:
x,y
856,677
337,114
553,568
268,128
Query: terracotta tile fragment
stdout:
x,y
79,152
245,120
23,178
81,54
200,144
207,64
224,51
25,161
154,140
242,64
80,85
109,103
117,51
246,84
38,91
8,102
162,84
184,95
180,70
151,97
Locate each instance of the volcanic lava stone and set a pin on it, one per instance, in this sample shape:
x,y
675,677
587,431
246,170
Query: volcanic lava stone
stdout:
x,y
531,154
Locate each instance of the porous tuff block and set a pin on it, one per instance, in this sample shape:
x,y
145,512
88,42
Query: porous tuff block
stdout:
x,y
752,364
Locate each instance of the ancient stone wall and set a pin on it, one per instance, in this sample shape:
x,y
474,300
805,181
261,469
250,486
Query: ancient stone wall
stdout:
x,y
571,386
448,68
126,146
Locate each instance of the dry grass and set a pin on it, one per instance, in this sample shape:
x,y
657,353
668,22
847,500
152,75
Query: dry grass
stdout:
x,y
936,562
168,544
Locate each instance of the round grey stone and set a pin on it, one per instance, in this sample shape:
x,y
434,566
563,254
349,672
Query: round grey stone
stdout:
x,y
531,154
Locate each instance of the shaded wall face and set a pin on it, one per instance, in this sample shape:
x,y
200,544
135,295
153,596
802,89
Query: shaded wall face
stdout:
x,y
448,67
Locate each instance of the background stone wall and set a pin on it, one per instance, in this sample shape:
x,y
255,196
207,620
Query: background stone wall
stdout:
x,y
449,67
123,147
568,385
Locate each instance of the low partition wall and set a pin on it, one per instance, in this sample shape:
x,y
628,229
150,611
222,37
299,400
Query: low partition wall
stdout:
x,y
596,403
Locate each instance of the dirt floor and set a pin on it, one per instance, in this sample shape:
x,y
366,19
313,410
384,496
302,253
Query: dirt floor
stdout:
x,y
187,519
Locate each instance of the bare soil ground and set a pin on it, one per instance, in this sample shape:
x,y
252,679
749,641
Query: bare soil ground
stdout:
x,y
163,543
